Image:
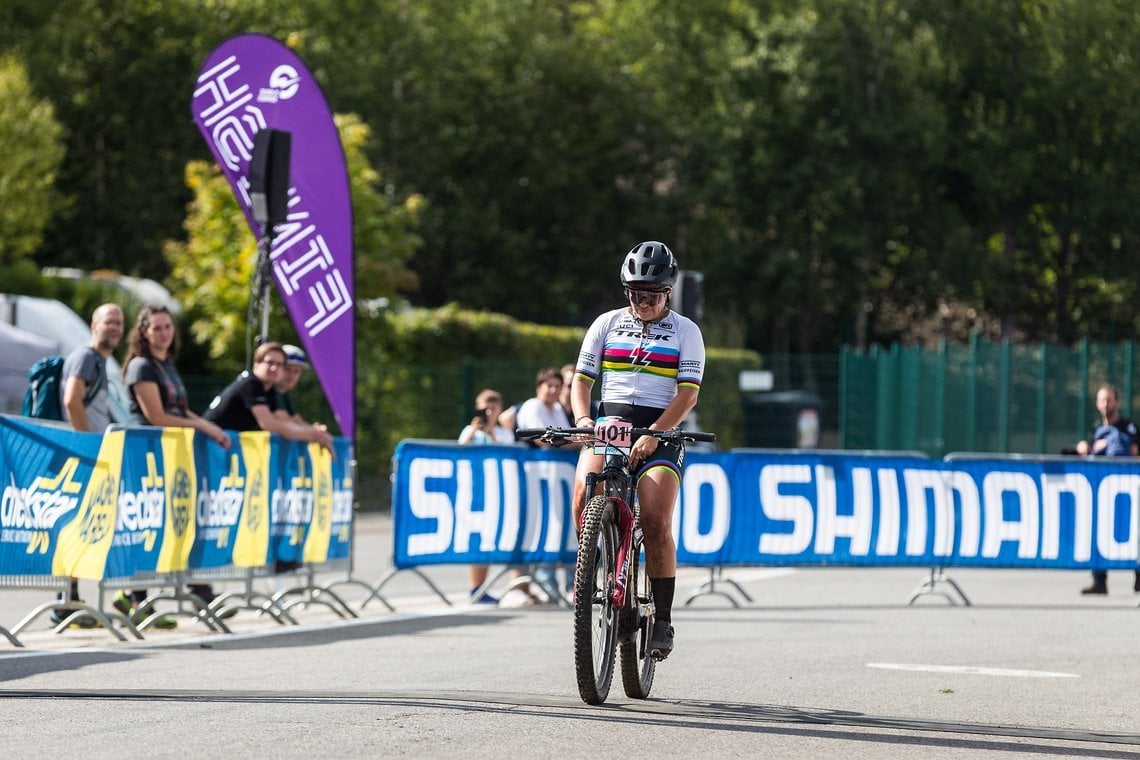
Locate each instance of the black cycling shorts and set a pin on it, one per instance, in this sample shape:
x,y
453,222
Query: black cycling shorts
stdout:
x,y
669,454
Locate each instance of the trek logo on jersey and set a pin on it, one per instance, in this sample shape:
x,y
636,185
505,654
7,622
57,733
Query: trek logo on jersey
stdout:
x,y
636,334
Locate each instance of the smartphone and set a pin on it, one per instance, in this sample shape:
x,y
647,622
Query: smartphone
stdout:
x,y
480,414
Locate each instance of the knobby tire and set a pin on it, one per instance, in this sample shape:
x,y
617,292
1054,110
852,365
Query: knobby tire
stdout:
x,y
595,620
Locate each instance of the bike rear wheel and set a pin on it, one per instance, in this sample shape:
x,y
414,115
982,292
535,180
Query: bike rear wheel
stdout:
x,y
637,667
595,619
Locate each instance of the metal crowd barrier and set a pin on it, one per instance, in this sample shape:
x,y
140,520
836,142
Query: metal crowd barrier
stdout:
x,y
60,586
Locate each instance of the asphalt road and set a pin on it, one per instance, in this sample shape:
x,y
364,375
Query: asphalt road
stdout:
x,y
824,662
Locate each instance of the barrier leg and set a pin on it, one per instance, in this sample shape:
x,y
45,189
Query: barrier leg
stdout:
x,y
201,610
78,610
352,581
8,635
249,599
375,590
709,588
930,587
304,595
307,593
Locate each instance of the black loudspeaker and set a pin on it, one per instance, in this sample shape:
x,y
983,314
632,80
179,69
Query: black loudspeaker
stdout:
x,y
689,295
269,176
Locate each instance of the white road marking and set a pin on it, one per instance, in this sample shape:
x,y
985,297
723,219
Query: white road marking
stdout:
x,y
972,670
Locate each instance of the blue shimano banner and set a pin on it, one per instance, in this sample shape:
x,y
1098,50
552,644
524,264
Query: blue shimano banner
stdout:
x,y
500,504
475,504
147,500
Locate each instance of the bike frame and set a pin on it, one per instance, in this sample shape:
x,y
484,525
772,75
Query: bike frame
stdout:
x,y
619,486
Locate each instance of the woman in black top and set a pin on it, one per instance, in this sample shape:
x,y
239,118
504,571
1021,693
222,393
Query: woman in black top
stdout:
x,y
158,396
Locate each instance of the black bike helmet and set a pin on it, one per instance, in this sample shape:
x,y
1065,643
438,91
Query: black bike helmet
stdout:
x,y
649,266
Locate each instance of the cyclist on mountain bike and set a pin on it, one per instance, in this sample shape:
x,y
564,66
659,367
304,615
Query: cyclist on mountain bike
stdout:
x,y
651,361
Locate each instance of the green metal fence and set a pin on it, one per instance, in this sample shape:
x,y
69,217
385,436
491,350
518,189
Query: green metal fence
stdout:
x,y
991,397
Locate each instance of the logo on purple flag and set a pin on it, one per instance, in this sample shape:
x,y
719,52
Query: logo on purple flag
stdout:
x,y
253,82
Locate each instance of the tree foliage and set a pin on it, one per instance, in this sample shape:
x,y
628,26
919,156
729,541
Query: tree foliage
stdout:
x,y
829,164
34,151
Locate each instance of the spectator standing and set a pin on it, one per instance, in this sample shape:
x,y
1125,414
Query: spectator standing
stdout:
x,y
544,410
484,429
83,397
158,398
1114,436
84,386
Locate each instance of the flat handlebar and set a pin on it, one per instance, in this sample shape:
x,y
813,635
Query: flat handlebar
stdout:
x,y
555,433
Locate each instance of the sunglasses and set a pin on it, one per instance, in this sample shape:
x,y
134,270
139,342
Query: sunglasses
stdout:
x,y
645,297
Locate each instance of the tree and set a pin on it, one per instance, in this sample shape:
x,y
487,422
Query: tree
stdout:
x,y
119,74
31,142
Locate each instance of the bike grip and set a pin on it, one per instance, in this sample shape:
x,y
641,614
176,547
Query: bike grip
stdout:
x,y
708,437
529,433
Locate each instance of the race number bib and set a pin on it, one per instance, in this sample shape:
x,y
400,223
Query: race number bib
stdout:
x,y
612,433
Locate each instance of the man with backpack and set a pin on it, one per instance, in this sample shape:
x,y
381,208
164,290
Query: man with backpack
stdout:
x,y
83,384
83,393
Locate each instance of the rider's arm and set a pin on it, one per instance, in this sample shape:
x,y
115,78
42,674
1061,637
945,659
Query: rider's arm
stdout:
x,y
580,398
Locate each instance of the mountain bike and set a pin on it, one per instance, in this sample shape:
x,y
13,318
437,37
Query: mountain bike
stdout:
x,y
613,598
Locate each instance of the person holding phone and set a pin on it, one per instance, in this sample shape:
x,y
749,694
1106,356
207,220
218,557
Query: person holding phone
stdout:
x,y
483,429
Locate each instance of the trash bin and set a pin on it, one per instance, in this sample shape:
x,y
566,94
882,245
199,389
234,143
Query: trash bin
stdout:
x,y
782,420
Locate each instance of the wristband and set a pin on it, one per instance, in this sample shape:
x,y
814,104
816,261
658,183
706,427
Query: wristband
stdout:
x,y
583,417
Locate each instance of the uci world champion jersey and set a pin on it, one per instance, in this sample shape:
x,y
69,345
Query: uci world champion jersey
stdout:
x,y
642,364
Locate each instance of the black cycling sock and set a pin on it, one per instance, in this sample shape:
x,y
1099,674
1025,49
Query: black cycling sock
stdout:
x,y
663,589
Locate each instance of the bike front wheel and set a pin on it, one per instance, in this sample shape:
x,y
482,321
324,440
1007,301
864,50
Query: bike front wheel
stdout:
x,y
637,667
595,619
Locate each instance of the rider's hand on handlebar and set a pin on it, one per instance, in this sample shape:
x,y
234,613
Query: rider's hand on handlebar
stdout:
x,y
642,450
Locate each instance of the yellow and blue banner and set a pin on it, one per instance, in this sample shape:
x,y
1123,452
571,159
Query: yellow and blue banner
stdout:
x,y
145,500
